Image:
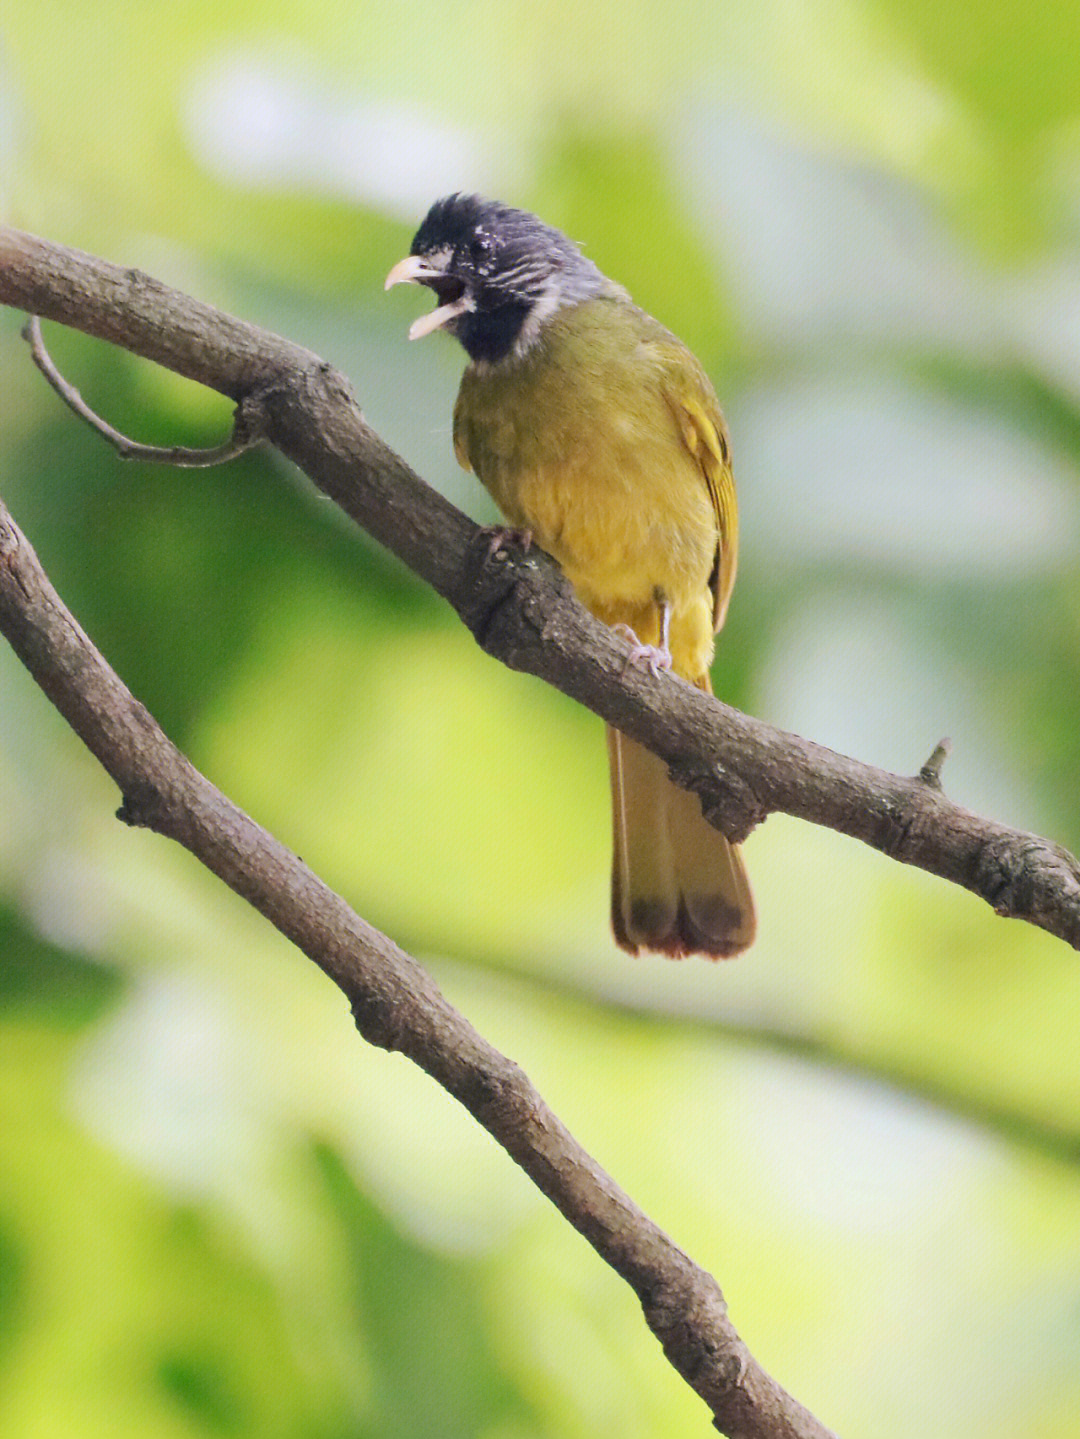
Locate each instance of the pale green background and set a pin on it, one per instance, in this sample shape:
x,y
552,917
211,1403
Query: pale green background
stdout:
x,y
220,1214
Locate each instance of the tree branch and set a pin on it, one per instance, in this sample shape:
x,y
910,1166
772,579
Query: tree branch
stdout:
x,y
396,1004
521,609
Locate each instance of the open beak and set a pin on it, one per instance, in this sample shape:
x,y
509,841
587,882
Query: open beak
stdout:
x,y
415,270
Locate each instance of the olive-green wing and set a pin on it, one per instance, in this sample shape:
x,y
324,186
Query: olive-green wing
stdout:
x,y
462,436
705,435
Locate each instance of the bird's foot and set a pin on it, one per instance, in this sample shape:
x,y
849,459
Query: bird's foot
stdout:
x,y
501,538
653,658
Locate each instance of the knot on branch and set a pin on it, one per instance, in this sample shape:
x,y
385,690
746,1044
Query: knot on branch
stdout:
x,y
727,801
506,610
1023,874
305,393
906,821
251,419
379,1019
493,1094
691,1321
143,806
12,549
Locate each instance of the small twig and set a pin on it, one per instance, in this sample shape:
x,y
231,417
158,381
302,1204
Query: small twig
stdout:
x,y
247,424
931,771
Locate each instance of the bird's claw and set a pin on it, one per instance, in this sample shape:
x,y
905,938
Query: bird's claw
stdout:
x,y
653,658
500,538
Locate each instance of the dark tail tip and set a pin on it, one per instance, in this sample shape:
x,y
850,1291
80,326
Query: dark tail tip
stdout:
x,y
651,925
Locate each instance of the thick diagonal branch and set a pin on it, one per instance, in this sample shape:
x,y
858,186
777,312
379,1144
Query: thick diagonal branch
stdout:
x,y
523,612
395,1002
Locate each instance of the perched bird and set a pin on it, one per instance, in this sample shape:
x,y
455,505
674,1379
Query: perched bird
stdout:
x,y
598,433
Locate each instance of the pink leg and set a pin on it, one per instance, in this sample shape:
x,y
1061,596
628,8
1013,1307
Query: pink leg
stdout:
x,y
654,658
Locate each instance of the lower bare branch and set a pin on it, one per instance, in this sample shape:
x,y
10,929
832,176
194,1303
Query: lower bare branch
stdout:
x,y
395,1002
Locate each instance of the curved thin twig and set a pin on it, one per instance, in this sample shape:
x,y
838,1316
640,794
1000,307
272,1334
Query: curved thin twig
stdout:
x,y
247,425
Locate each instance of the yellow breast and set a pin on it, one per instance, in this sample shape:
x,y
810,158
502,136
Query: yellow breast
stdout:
x,y
577,441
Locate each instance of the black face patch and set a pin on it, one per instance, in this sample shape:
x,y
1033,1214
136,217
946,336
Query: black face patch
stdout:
x,y
491,334
505,261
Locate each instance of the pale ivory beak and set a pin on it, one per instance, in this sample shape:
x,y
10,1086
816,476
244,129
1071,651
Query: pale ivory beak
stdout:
x,y
411,270
414,270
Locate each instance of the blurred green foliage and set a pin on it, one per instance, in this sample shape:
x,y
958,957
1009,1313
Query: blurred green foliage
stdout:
x,y
219,1213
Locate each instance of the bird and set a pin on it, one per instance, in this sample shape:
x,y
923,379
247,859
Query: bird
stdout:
x,y
600,437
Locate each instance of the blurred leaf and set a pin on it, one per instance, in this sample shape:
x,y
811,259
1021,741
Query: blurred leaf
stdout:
x,y
132,1315
13,1289
433,1373
41,981
614,193
198,1383
1014,64
383,750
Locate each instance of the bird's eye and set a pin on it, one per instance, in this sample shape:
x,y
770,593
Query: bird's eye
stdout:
x,y
482,250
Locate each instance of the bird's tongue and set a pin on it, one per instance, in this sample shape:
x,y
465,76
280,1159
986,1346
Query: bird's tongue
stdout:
x,y
438,318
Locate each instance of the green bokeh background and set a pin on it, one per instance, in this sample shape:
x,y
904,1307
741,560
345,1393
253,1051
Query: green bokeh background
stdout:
x,y
220,1214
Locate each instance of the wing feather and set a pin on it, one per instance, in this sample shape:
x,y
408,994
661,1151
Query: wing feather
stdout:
x,y
706,437
462,434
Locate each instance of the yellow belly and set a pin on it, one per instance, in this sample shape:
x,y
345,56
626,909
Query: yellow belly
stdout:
x,y
586,453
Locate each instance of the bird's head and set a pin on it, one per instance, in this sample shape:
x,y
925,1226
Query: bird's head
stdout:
x,y
497,273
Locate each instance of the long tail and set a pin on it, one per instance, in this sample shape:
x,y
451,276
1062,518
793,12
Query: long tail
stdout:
x,y
678,886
